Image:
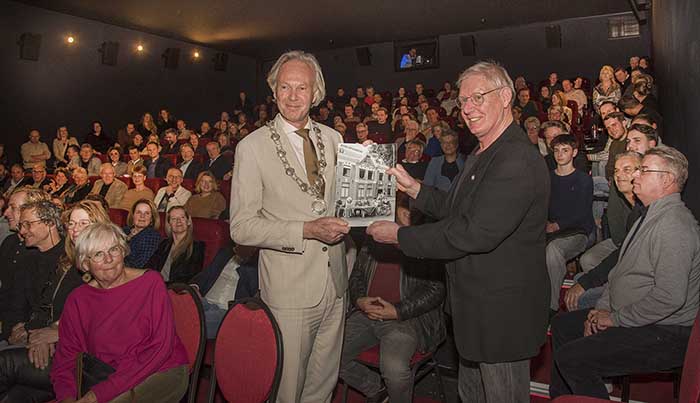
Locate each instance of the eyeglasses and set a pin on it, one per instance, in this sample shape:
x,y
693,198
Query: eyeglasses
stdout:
x,y
114,252
477,97
26,224
79,223
644,170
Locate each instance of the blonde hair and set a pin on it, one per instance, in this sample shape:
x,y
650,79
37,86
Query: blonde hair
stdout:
x,y
310,60
186,244
96,213
198,184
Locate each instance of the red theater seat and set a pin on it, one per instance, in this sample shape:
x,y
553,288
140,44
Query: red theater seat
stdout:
x,y
214,233
188,184
225,189
118,216
155,183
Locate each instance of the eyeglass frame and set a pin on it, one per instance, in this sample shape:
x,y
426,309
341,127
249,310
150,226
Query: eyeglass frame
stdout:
x,y
27,223
118,251
644,170
461,101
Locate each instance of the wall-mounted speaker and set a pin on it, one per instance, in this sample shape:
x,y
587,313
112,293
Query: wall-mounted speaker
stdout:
x,y
220,61
29,45
552,35
171,58
468,45
110,53
364,57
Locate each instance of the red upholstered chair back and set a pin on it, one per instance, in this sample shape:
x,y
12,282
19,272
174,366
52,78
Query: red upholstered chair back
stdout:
x,y
189,324
690,382
103,157
188,184
155,183
225,189
118,216
248,354
214,233
385,281
127,181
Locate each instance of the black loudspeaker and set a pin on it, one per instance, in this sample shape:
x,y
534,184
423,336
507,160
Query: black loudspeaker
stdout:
x,y
110,53
552,34
29,45
468,45
171,58
220,61
364,57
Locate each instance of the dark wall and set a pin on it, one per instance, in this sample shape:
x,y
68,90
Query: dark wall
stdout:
x,y
522,50
676,51
69,85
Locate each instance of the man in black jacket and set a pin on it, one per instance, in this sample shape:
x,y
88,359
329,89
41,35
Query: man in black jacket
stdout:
x,y
399,327
217,164
491,230
189,166
156,166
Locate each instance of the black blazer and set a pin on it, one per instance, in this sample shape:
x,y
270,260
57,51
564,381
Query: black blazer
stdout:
x,y
181,269
220,167
162,166
491,232
168,149
193,170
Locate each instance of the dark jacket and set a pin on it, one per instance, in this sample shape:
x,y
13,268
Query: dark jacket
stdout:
x,y
100,143
247,273
162,166
221,166
53,297
422,291
14,257
192,170
492,232
76,193
182,269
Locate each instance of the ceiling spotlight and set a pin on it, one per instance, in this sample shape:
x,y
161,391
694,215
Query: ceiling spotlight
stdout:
x,y
70,39
196,54
139,48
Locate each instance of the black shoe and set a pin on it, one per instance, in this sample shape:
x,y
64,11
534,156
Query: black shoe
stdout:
x,y
380,397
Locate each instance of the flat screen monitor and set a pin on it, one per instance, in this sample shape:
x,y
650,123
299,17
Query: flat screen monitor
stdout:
x,y
416,55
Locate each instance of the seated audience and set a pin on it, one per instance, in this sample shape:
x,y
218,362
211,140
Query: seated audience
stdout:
x,y
527,106
617,132
413,162
232,275
411,132
88,161
60,145
206,131
148,126
34,151
138,192
199,149
224,140
570,228
108,187
545,97
59,184
567,114
402,323
80,188
552,129
137,304
16,181
607,89
125,136
178,257
189,167
433,149
142,234
207,202
380,130
555,113
173,194
217,164
640,138
40,181
98,139
574,94
139,142
183,133
135,160
444,169
165,121
115,159
73,156
4,175
532,127
643,320
171,146
156,166
433,119
24,372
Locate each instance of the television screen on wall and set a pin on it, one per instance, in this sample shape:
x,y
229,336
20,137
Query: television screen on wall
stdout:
x,y
416,55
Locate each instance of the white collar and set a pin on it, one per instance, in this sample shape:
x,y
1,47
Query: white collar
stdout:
x,y
289,128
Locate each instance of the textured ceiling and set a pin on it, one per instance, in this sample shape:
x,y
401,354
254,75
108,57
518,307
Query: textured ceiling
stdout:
x,y
262,28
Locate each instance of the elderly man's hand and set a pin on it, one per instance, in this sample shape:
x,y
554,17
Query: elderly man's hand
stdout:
x,y
599,320
384,232
404,181
572,296
382,310
18,335
328,230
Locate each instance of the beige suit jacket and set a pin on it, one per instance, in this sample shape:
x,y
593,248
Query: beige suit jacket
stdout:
x,y
268,210
114,194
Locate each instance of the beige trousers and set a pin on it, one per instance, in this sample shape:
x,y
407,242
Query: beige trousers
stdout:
x,y
312,340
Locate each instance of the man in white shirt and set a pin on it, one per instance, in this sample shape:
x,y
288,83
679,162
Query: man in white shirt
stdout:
x,y
173,194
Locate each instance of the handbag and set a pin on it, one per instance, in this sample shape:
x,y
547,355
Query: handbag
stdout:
x,y
90,371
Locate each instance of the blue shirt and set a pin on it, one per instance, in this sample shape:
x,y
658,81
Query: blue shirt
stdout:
x,y
143,245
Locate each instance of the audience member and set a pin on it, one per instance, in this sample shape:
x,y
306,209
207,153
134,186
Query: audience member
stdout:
x,y
107,186
98,139
380,130
189,167
640,138
142,233
527,106
156,166
60,145
59,184
173,194
551,129
165,121
622,76
217,164
199,149
80,188
125,136
135,160
171,146
114,155
39,179
133,301
183,133
570,227
147,126
88,161
607,89
207,202
442,170
16,181
413,162
617,132
574,94
178,257
34,151
532,127
139,191
642,322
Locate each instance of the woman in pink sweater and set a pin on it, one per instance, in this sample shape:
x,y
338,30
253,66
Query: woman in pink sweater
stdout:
x,y
124,318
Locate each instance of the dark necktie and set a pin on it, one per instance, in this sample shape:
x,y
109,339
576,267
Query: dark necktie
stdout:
x,y
310,158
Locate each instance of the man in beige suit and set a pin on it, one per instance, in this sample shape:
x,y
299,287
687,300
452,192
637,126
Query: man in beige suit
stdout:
x,y
111,189
284,176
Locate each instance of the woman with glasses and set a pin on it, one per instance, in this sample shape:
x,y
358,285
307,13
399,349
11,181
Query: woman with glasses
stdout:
x,y
207,202
178,257
142,233
139,191
24,372
124,318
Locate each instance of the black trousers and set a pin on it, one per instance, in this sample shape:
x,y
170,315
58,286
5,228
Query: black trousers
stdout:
x,y
581,363
20,381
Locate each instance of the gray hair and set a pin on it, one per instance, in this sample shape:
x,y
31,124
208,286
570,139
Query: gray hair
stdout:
x,y
675,161
310,60
47,212
492,72
96,237
629,154
554,123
